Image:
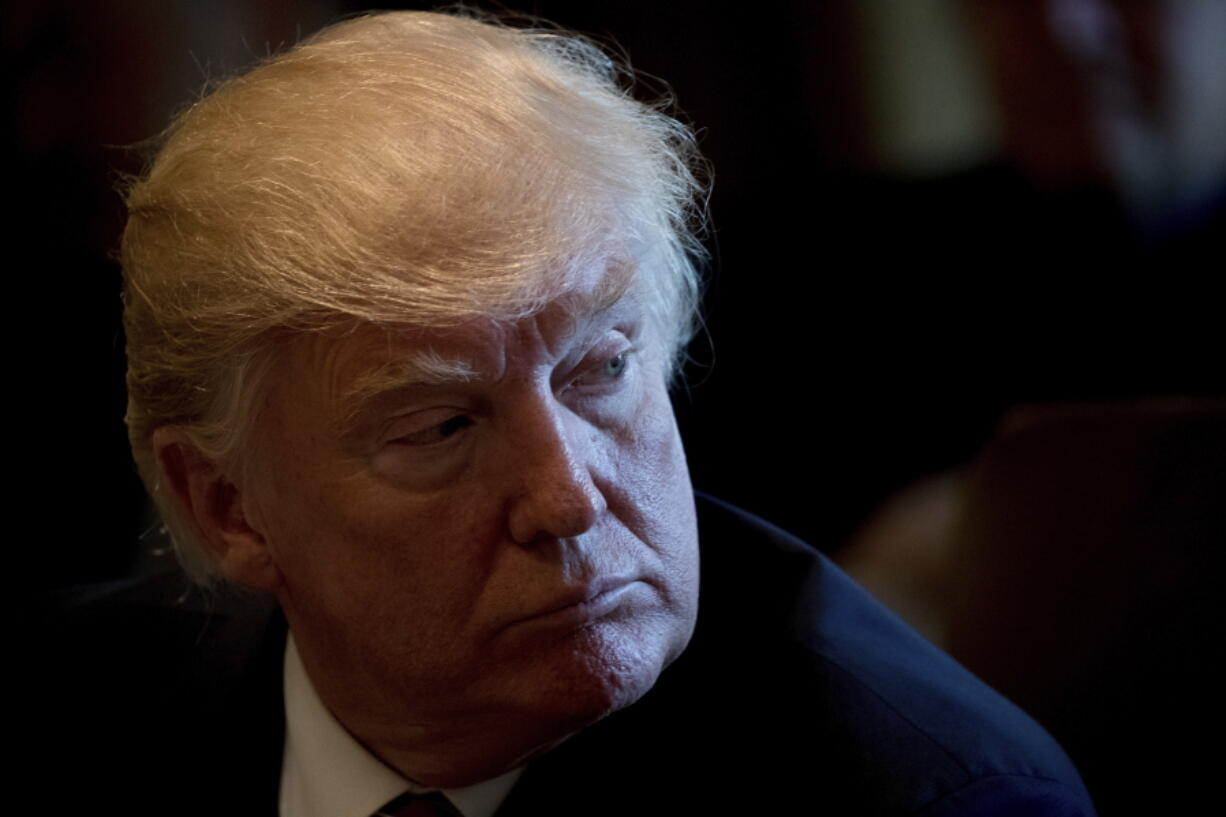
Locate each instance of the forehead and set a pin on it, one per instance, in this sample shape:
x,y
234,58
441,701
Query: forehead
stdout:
x,y
342,369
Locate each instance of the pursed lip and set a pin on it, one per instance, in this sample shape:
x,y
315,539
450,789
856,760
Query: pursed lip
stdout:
x,y
587,602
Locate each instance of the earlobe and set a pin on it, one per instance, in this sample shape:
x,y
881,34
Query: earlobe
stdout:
x,y
215,505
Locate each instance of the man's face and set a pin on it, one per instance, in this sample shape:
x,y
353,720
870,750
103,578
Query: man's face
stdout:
x,y
486,528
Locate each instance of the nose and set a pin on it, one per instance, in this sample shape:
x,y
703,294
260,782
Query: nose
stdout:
x,y
554,458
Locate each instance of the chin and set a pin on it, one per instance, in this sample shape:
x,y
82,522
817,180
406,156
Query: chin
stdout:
x,y
559,689
600,670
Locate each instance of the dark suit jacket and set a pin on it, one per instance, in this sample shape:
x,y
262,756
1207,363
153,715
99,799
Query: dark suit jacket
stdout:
x,y
798,694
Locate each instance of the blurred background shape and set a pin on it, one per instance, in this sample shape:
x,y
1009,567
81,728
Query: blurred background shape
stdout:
x,y
1076,565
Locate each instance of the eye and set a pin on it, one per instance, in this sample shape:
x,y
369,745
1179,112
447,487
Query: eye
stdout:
x,y
616,365
605,372
436,433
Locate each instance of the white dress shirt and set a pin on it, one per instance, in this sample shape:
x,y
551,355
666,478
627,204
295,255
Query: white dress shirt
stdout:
x,y
325,772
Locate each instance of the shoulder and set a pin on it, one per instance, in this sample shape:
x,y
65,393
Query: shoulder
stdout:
x,y
844,684
157,640
152,686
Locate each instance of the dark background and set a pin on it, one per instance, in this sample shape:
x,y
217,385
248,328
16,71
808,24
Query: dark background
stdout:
x,y
869,316
924,215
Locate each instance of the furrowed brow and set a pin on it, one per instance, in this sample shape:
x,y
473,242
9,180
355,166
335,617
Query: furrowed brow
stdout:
x,y
609,291
612,287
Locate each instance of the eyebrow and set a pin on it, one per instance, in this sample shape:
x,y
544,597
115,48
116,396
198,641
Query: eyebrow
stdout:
x,y
427,368
613,286
424,368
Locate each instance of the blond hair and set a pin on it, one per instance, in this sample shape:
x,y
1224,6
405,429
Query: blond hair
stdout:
x,y
403,169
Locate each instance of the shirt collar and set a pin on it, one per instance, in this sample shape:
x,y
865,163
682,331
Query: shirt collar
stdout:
x,y
325,772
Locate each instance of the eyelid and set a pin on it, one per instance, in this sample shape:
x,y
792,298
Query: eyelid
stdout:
x,y
417,427
593,374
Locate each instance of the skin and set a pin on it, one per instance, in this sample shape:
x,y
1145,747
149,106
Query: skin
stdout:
x,y
481,561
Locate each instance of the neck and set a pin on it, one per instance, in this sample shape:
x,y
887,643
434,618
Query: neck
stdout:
x,y
443,750
454,764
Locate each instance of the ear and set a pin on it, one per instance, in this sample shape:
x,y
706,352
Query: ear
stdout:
x,y
217,507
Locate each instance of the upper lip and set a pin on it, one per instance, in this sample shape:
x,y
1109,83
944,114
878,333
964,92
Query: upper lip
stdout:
x,y
576,595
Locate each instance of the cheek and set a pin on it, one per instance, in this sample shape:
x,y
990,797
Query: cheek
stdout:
x,y
652,460
657,500
351,543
